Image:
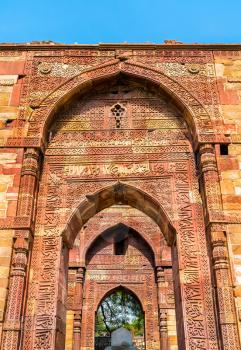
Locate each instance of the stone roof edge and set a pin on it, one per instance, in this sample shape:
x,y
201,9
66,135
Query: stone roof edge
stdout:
x,y
143,46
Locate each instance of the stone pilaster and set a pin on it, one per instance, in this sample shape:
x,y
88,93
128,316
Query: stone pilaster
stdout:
x,y
78,302
224,291
162,307
77,331
28,184
12,320
220,261
210,181
25,210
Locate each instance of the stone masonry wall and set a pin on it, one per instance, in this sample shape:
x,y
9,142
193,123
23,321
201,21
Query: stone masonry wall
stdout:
x,y
29,73
228,72
11,70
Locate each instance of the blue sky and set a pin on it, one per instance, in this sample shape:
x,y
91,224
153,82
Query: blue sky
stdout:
x,y
115,21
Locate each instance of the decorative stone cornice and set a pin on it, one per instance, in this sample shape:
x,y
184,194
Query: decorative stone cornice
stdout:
x,y
43,45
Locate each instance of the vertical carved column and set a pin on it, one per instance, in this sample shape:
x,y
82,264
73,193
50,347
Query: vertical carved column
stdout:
x,y
224,290
210,179
12,326
78,302
77,331
25,209
28,184
163,329
162,306
221,269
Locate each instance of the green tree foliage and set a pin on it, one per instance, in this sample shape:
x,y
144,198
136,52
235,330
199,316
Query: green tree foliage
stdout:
x,y
119,309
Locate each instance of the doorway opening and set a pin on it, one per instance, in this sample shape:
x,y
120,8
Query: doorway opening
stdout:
x,y
120,308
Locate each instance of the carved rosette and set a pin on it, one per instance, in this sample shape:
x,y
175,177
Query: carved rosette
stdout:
x,y
224,291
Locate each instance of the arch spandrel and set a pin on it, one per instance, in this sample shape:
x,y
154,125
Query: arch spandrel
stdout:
x,y
193,111
118,193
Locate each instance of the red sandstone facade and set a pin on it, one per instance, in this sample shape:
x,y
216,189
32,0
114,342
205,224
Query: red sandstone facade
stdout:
x,y
140,140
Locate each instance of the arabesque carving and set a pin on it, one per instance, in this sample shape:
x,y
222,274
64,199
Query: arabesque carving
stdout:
x,y
111,137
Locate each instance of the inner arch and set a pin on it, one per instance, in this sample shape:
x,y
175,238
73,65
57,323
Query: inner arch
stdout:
x,y
119,193
116,234
110,233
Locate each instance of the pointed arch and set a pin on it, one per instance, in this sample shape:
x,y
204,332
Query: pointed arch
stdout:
x,y
112,290
119,193
194,112
119,227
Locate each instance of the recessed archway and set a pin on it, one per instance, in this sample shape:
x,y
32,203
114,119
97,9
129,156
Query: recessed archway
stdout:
x,y
119,193
109,269
194,112
119,307
115,234
167,192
